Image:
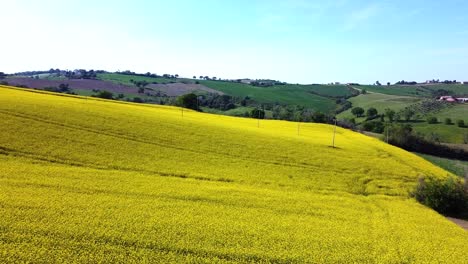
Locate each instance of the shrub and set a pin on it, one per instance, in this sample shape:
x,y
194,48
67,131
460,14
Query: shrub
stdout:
x,y
432,120
257,113
137,100
105,95
448,121
447,196
189,101
373,126
357,111
371,112
460,123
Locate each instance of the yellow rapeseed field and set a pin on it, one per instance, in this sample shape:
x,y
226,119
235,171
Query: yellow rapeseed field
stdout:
x,y
89,180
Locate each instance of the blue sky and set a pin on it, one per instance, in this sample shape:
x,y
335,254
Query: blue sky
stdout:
x,y
297,41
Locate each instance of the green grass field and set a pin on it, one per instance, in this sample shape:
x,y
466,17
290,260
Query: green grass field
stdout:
x,y
457,167
457,89
89,180
283,94
455,112
416,90
400,90
126,79
446,133
379,102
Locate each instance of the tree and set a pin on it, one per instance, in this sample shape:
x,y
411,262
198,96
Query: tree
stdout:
x,y
257,113
460,123
2,75
357,111
399,134
448,121
105,95
64,87
189,101
390,114
194,77
378,83
373,126
432,120
363,91
388,83
408,113
137,100
371,112
319,117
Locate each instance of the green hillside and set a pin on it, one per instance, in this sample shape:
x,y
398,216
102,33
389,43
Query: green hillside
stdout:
x,y
457,167
318,97
419,90
401,90
90,180
126,79
380,102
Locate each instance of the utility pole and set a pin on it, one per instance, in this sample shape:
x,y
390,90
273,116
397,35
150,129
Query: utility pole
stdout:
x,y
334,132
466,179
387,133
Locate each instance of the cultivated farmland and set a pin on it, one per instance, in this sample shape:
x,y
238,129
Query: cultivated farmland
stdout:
x,y
90,180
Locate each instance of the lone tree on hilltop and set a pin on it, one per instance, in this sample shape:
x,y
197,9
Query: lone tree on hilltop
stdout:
x,y
357,111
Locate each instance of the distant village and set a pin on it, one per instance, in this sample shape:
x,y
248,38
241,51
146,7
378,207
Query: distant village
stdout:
x,y
452,99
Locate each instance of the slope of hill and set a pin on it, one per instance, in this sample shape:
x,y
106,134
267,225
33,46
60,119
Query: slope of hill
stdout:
x,y
419,90
317,97
91,180
380,102
401,90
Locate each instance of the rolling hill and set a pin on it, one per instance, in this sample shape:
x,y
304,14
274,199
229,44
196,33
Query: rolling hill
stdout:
x,y
317,97
380,102
90,180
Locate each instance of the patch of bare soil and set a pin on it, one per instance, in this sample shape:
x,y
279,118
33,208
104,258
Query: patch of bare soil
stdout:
x,y
170,89
459,146
176,89
462,223
83,84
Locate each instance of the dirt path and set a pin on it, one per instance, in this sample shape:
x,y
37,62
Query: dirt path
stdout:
x,y
462,223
